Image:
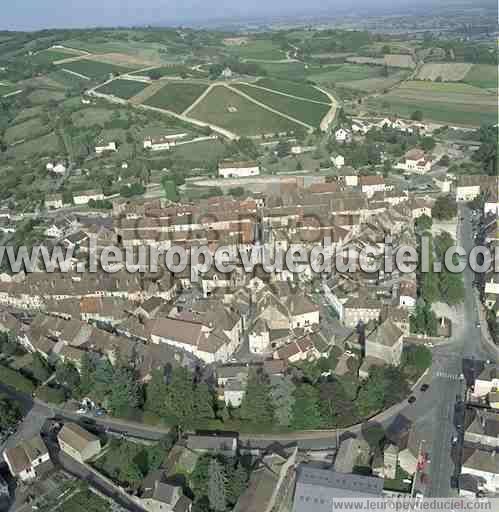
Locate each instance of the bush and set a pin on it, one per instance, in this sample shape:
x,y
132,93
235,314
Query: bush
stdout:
x,y
16,380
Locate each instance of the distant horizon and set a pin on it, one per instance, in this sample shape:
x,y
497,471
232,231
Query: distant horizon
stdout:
x,y
30,15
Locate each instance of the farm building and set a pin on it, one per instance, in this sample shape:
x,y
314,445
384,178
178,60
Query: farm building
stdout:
x,y
229,169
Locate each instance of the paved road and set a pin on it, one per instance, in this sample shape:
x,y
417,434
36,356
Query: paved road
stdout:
x,y
449,365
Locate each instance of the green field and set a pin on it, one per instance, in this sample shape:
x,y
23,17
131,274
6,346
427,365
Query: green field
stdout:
x,y
346,73
305,111
44,145
124,89
92,116
67,80
201,152
6,89
260,49
453,103
94,69
482,75
176,96
26,130
287,70
40,96
294,88
49,56
172,70
247,119
375,84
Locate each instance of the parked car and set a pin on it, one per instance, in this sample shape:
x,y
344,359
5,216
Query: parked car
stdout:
x,y
411,399
425,387
429,344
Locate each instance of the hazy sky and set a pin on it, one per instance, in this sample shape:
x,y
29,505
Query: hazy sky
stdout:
x,y
35,14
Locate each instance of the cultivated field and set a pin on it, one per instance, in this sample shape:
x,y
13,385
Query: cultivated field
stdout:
x,y
370,85
227,109
176,96
260,49
482,75
49,56
91,116
452,103
6,89
305,111
25,130
172,70
201,152
399,61
287,70
45,145
294,88
347,73
124,89
94,69
444,72
40,96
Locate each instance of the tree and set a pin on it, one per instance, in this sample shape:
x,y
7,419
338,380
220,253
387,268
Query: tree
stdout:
x,y
40,368
67,375
169,189
428,144
423,320
203,402
444,161
217,482
10,414
237,484
87,370
179,400
417,115
156,390
237,191
444,208
282,148
256,406
306,412
125,391
387,168
282,396
424,223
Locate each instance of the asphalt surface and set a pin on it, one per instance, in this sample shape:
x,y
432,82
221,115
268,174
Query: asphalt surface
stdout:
x,y
451,361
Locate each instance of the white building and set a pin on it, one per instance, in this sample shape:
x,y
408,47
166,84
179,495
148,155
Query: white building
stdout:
x,y
110,146
470,187
342,135
164,142
24,460
298,150
259,338
82,198
372,184
483,464
359,126
487,381
227,73
54,201
417,161
338,161
229,169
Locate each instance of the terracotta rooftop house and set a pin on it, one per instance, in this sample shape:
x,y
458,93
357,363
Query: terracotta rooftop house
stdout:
x,y
28,459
